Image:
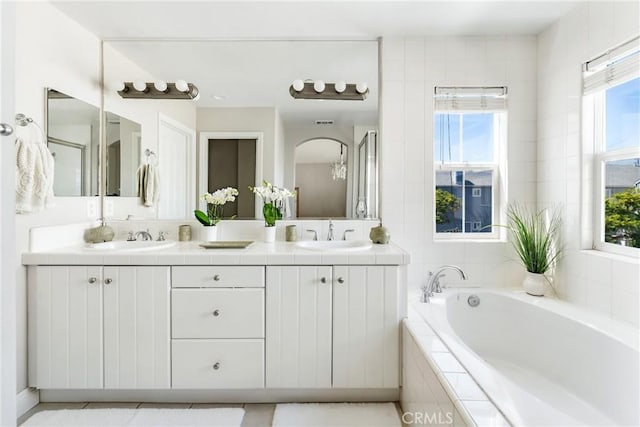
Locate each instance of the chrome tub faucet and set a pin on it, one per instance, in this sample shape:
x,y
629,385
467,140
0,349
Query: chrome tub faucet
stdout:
x,y
433,282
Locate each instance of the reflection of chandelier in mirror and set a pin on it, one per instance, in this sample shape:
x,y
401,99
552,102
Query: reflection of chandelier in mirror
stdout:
x,y
339,169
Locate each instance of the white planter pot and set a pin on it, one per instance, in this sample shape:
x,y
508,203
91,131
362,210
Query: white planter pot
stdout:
x,y
534,284
209,234
269,234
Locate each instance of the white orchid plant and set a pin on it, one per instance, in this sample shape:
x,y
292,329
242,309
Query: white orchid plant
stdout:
x,y
215,205
273,199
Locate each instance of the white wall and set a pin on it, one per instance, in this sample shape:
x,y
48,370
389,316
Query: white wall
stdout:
x,y
608,284
411,67
52,51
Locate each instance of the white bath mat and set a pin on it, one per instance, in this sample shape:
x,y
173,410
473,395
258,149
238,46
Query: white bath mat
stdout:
x,y
217,417
336,415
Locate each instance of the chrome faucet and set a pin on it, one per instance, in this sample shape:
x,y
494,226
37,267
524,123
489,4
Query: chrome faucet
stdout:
x,y
344,235
433,282
330,234
145,235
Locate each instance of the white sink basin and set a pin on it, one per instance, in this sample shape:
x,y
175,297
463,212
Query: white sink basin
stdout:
x,y
334,245
137,245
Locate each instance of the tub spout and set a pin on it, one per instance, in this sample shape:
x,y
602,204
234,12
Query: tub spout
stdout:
x,y
433,282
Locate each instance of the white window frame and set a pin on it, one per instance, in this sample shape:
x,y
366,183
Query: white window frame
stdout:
x,y
476,192
594,154
497,166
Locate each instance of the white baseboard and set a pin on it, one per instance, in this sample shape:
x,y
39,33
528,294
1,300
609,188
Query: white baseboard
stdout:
x,y
26,399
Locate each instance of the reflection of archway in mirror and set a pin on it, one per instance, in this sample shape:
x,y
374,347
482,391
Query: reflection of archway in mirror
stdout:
x,y
318,194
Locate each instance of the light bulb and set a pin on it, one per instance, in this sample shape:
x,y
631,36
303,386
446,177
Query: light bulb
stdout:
x,y
298,85
361,87
340,86
121,87
160,85
140,85
318,86
182,86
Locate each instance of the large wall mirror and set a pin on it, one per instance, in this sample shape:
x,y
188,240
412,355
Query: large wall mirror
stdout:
x,y
123,139
73,136
244,91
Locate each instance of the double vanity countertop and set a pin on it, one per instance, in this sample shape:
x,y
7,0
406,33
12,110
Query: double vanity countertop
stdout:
x,y
191,253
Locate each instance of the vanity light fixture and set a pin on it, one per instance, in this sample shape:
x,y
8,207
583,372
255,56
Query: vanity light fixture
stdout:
x,y
318,89
158,90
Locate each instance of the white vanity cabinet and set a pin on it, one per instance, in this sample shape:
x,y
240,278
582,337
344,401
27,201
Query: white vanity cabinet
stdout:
x,y
99,327
217,333
333,326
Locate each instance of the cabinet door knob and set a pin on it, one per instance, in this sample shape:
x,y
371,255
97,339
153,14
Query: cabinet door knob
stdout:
x,y
340,280
323,280
216,313
92,280
216,366
107,281
216,278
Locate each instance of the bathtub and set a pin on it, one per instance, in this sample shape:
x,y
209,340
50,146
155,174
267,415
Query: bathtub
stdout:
x,y
541,361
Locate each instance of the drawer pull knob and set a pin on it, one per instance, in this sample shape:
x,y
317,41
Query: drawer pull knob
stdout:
x,y
216,278
323,280
92,280
216,313
216,366
340,280
107,281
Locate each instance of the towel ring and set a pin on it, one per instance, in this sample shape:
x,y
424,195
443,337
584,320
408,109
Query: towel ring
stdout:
x,y
24,121
149,154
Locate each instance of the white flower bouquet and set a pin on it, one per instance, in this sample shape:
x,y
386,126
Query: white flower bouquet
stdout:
x,y
273,199
215,205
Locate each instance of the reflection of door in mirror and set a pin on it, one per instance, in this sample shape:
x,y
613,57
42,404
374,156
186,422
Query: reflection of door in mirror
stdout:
x,y
367,177
322,188
176,162
73,134
123,155
232,163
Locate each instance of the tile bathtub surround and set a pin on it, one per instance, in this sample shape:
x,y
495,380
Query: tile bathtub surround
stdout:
x,y
604,283
410,69
434,382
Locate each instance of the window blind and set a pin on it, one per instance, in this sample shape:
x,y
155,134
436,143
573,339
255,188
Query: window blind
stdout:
x,y
615,66
469,98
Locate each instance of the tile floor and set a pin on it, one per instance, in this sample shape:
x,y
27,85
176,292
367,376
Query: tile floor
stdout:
x,y
256,414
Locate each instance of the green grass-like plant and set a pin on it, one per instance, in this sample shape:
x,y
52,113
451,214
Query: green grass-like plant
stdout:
x,y
535,237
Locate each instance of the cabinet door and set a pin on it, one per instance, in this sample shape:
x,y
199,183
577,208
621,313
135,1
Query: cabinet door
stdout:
x,y
136,327
65,327
366,327
298,329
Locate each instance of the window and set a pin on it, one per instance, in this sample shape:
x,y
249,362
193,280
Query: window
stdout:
x,y
469,134
612,111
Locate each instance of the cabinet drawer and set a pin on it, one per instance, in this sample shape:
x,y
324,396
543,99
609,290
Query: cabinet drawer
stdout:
x,y
218,364
217,313
217,277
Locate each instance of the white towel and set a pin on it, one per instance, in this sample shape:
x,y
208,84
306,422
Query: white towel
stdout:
x,y
148,184
34,176
151,186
